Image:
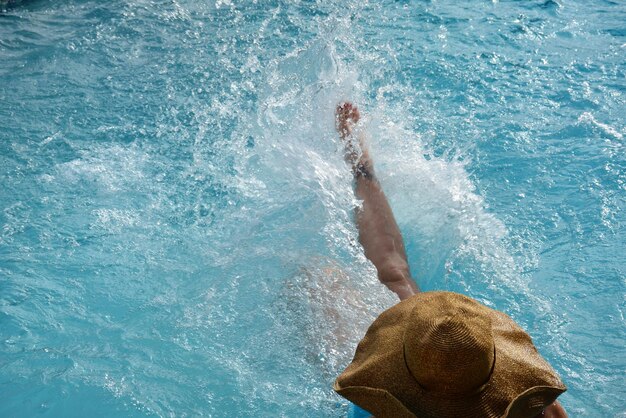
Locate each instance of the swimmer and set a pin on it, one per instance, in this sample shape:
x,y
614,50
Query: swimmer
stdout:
x,y
434,354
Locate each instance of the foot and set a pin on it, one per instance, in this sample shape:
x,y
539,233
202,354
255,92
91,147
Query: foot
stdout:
x,y
346,116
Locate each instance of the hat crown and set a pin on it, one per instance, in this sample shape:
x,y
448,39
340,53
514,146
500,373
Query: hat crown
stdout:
x,y
391,375
449,346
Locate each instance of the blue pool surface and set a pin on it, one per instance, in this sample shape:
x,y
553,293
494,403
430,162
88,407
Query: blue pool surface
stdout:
x,y
176,219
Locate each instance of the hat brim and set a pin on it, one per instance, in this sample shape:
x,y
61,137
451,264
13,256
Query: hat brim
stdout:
x,y
378,380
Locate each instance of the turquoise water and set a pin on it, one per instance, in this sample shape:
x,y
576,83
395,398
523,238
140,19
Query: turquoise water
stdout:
x,y
176,233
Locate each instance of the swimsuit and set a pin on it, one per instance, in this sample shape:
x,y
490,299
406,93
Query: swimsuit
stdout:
x,y
354,411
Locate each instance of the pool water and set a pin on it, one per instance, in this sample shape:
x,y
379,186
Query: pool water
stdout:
x,y
176,219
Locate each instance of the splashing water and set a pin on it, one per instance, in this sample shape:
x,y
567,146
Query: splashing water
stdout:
x,y
176,224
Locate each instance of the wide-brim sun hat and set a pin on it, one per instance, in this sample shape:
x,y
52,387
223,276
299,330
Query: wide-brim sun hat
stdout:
x,y
445,355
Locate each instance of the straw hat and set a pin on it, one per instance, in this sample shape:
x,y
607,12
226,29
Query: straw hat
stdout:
x,y
445,355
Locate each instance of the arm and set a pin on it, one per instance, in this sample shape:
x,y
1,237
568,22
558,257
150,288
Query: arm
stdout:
x,y
378,232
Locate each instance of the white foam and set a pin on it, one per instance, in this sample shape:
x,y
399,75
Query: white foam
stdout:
x,y
436,204
587,117
111,168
